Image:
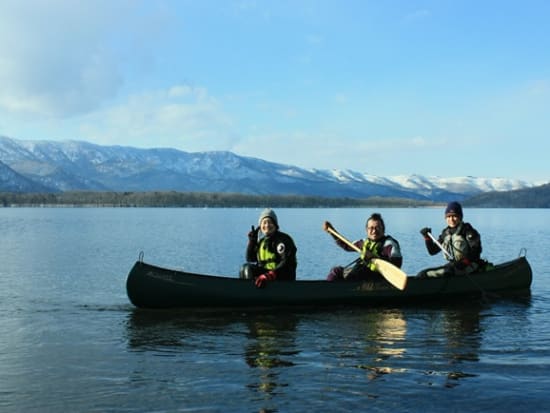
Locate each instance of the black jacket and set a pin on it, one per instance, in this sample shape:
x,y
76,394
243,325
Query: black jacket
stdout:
x,y
283,247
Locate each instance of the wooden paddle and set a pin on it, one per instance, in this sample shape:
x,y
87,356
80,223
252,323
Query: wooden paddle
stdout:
x,y
393,274
447,254
436,242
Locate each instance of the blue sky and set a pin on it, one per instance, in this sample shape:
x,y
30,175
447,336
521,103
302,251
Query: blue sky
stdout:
x,y
446,88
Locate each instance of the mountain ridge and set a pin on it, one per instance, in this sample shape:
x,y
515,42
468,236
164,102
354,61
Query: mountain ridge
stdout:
x,y
51,166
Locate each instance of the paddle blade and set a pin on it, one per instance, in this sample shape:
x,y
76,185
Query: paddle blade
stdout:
x,y
395,275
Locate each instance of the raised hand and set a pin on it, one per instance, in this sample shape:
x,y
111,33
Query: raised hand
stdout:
x,y
424,231
253,234
327,225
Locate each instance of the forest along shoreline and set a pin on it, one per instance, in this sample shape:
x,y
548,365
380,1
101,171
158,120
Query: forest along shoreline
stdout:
x,y
173,199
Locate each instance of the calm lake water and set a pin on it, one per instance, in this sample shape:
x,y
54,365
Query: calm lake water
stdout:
x,y
71,341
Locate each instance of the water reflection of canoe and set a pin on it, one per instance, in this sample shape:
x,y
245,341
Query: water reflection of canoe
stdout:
x,y
150,286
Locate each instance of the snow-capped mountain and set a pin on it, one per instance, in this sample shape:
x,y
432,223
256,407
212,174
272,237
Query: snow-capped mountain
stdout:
x,y
42,166
11,181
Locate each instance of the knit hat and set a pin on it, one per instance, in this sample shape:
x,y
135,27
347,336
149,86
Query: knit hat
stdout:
x,y
268,213
454,208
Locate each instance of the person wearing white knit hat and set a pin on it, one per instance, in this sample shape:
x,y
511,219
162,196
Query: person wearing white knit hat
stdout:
x,y
273,256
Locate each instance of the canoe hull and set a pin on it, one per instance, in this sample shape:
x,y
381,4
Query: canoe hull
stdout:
x,y
150,286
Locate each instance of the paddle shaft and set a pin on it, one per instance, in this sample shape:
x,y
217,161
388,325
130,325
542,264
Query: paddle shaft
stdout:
x,y
436,242
390,272
343,239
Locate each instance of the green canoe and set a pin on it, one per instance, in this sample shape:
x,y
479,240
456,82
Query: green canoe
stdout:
x,y
150,286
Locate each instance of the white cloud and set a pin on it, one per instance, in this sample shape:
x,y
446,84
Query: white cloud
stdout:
x,y
420,14
314,39
539,87
56,60
181,117
306,149
327,150
342,99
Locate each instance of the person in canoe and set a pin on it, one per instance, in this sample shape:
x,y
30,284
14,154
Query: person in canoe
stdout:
x,y
460,242
376,245
273,256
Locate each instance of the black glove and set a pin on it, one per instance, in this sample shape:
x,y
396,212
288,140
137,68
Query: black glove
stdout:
x,y
253,234
424,231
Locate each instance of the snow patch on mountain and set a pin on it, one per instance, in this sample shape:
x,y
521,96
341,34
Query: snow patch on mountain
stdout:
x,y
74,165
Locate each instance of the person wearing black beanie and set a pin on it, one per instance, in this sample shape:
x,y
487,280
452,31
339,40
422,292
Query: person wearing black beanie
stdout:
x,y
460,243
